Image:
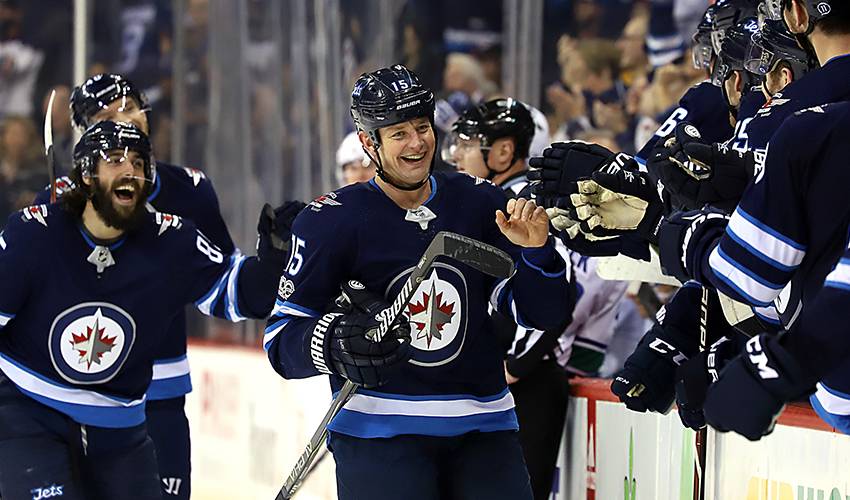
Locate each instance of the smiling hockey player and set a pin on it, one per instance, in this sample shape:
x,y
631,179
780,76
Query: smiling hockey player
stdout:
x,y
87,291
435,415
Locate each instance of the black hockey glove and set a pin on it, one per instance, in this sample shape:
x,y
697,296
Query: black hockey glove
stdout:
x,y
754,387
647,380
554,174
274,230
695,173
340,340
618,199
695,375
683,235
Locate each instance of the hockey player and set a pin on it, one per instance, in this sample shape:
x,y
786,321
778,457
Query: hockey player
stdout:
x,y
492,141
435,415
87,294
182,191
779,244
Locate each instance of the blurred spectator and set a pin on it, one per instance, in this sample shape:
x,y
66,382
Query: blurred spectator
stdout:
x,y
19,63
421,44
146,27
664,42
604,138
353,165
22,171
634,63
465,74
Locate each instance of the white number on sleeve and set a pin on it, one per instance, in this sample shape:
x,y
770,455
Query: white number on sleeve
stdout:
x,y
295,259
209,249
669,125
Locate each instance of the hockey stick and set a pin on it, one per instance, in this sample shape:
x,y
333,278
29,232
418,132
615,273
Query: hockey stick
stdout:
x,y
48,146
475,254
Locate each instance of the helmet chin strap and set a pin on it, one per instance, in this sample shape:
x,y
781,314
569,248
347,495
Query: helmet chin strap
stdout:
x,y
379,170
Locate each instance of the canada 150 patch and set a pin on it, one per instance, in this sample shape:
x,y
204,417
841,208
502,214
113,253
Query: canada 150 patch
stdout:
x,y
90,342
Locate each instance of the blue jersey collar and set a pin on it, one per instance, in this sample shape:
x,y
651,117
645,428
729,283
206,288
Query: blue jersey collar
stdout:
x,y
431,179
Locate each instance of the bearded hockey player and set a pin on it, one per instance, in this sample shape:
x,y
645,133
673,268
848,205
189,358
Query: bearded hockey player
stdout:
x,y
434,415
87,293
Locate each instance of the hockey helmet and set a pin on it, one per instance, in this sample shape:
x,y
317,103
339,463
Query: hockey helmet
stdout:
x,y
106,136
98,92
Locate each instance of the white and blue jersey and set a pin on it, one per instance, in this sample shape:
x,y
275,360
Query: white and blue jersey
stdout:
x,y
454,382
81,323
186,192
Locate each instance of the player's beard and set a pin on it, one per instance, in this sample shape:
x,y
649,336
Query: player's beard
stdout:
x,y
119,217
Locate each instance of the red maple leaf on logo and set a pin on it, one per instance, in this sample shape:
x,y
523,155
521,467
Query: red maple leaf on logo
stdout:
x,y
430,315
91,349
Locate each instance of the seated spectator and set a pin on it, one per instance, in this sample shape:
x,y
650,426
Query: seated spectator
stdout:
x,y
22,170
465,74
19,63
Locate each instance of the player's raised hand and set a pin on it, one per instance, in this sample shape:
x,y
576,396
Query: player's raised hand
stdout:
x,y
525,224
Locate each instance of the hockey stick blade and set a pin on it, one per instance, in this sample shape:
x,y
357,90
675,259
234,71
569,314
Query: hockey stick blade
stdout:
x,y
475,254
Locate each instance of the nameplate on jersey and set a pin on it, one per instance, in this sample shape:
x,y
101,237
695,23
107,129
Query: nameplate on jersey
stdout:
x,y
101,257
421,216
90,342
35,212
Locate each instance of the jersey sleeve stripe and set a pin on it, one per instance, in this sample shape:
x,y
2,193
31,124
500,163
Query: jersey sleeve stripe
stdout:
x,y
840,276
442,407
208,301
541,271
740,281
767,314
292,309
766,240
496,294
515,312
272,331
758,253
232,298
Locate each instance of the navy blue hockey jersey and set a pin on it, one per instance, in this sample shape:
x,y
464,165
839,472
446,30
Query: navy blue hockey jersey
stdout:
x,y
704,107
820,86
791,224
188,193
83,342
454,382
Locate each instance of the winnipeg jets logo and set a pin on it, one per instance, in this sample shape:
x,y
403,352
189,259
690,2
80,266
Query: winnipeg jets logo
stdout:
x,y
434,313
90,342
166,221
431,315
194,174
36,213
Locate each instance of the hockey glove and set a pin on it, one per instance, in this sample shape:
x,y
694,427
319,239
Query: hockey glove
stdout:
x,y
647,380
695,173
684,235
754,387
274,230
618,199
695,375
554,174
340,341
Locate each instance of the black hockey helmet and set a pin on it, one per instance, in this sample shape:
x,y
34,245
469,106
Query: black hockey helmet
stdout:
x,y
703,50
387,97
735,49
98,92
774,44
106,136
727,14
492,120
